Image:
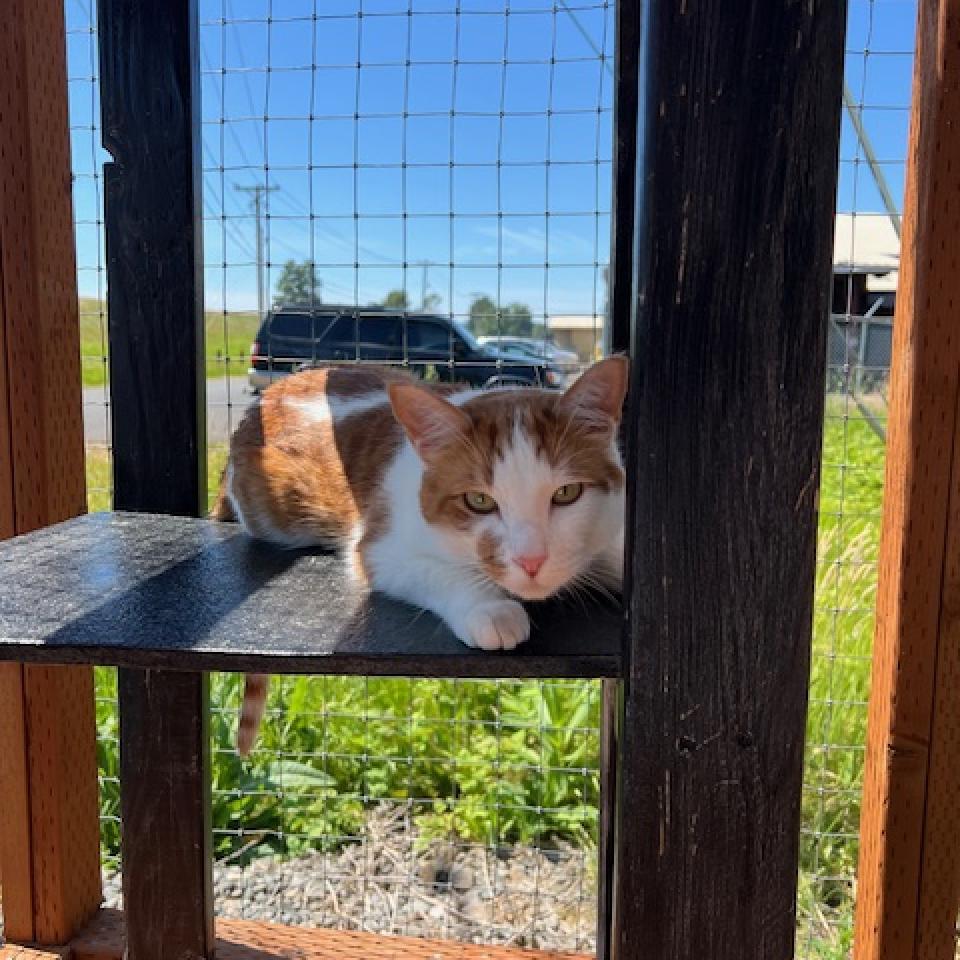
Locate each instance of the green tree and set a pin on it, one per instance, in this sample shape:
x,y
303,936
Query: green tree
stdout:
x,y
515,320
299,284
397,299
483,316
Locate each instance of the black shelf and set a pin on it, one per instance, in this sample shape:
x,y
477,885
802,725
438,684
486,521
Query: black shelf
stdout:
x,y
145,590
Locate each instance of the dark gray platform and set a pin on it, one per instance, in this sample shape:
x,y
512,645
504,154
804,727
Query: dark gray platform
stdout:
x,y
143,590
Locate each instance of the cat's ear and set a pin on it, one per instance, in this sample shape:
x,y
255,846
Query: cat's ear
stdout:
x,y
428,420
598,393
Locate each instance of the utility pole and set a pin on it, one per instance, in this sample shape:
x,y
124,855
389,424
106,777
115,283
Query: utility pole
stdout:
x,y
258,191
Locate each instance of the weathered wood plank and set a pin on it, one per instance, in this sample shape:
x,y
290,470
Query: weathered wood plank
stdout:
x,y
135,590
150,105
736,183
165,808
907,887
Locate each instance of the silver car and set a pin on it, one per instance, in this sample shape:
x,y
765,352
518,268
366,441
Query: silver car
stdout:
x,y
535,348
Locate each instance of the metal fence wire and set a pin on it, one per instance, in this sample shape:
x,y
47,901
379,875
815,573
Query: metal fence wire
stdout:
x,y
390,180
879,63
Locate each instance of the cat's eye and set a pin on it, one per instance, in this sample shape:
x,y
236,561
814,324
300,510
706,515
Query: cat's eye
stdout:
x,y
566,494
480,502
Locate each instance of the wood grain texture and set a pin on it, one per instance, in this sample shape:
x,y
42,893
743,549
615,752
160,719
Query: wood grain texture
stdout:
x,y
16,862
248,940
52,872
150,105
908,783
135,590
7,511
936,937
64,799
165,809
41,330
736,183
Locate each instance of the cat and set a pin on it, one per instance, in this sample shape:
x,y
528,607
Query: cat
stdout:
x,y
457,500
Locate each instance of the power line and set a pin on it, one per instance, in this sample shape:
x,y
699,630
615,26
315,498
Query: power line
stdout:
x,y
223,111
243,74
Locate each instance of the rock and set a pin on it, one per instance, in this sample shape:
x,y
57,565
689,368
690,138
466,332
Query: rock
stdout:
x,y
461,878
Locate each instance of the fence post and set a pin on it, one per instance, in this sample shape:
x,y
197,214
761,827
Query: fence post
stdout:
x,y
909,873
151,124
152,201
736,178
49,827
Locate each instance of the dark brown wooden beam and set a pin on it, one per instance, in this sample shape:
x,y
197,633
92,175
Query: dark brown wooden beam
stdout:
x,y
150,105
737,165
150,102
165,811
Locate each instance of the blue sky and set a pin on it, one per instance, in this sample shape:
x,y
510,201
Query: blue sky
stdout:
x,y
427,143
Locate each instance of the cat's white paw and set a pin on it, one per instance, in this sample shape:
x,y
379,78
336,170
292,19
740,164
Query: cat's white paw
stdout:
x,y
498,625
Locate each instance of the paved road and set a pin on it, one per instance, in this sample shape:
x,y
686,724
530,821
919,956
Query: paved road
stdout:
x,y
226,401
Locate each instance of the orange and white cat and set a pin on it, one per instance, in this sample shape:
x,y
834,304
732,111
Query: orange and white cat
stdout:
x,y
460,501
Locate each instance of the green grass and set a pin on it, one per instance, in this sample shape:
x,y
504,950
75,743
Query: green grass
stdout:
x,y
849,536
517,763
228,339
99,478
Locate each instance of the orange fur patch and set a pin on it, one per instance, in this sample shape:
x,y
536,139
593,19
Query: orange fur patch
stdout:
x,y
488,550
305,479
467,463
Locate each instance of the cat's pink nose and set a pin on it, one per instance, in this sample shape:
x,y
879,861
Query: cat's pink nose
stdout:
x,y
531,562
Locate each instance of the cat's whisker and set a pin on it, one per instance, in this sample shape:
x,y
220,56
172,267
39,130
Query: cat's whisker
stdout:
x,y
604,588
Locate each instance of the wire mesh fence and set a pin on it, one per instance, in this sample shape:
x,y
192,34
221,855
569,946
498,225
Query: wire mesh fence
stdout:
x,y
425,807
389,182
878,72
397,181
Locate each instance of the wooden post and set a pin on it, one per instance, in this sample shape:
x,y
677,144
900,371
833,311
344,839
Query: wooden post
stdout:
x,y
152,203
49,827
626,111
909,878
165,779
737,170
151,123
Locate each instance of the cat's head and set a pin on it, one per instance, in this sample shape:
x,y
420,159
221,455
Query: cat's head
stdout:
x,y
525,483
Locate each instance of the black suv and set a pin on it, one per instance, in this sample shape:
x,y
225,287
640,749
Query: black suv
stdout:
x,y
292,338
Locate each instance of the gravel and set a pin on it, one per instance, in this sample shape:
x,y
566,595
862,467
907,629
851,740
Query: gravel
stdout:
x,y
393,882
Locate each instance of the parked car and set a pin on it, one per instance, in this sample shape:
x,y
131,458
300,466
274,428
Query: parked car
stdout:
x,y
293,338
536,347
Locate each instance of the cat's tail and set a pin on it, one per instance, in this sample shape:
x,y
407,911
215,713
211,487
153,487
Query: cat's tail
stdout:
x,y
222,508
251,710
